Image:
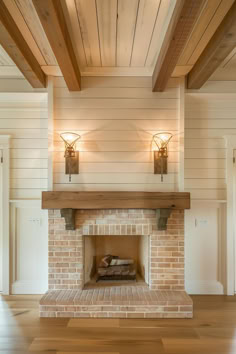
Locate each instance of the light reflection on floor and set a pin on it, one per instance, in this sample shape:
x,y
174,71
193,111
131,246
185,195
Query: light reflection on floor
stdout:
x,y
13,321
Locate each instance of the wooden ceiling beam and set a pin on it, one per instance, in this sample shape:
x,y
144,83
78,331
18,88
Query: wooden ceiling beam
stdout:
x,y
177,34
52,18
218,48
17,48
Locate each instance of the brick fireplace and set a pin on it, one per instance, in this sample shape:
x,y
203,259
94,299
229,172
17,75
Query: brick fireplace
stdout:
x,y
160,294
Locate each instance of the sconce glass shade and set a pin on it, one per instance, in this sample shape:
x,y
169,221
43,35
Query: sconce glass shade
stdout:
x,y
162,140
70,141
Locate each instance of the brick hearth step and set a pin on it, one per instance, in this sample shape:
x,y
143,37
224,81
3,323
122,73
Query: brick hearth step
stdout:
x,y
117,302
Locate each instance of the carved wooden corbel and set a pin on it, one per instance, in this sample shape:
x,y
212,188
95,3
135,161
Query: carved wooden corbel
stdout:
x,y
162,218
69,215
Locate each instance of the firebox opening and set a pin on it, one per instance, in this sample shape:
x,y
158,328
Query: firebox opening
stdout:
x,y
118,259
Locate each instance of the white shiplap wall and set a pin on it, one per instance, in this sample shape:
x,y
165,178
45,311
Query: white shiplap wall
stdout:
x,y
23,116
210,113
116,118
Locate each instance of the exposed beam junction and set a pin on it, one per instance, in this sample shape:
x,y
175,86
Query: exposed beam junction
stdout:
x,y
17,48
177,34
218,48
52,18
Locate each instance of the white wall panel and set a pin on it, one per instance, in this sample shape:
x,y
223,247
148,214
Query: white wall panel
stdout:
x,y
17,85
119,136
29,173
114,82
116,187
116,119
206,133
205,153
29,163
126,146
23,115
117,125
202,113
119,103
208,117
29,250
108,92
211,123
207,194
204,173
116,156
205,248
205,143
29,143
204,163
115,167
92,178
121,114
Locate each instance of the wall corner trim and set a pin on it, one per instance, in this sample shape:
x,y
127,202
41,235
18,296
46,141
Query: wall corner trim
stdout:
x,y
231,208
4,146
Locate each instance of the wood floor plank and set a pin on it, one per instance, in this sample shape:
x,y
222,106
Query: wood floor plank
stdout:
x,y
94,322
211,331
218,333
27,352
194,346
138,347
88,352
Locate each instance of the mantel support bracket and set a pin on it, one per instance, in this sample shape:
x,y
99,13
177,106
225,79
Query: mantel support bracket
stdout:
x,y
69,215
162,218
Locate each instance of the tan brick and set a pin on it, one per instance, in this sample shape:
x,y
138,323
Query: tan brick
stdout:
x,y
177,265
170,308
68,314
186,308
47,314
117,314
135,315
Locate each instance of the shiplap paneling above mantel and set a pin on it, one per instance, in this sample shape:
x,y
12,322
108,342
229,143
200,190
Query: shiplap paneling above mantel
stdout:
x,y
116,119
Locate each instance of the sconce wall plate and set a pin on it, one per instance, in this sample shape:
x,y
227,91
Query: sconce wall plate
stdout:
x,y
161,154
71,155
160,163
72,164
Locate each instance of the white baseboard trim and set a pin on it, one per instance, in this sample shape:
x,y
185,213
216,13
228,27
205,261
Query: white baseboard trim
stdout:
x,y
28,288
203,287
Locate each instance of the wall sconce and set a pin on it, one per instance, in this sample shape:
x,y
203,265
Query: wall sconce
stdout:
x,y
160,156
71,155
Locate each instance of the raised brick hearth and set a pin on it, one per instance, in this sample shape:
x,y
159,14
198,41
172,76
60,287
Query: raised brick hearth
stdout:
x,y
119,302
165,295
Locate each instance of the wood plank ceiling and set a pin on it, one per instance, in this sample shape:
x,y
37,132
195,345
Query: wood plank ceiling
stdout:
x,y
116,37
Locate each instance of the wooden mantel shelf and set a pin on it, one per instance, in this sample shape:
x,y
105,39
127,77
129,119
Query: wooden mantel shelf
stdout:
x,y
68,202
115,200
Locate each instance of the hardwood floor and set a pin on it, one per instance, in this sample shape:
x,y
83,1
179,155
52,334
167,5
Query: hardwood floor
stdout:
x,y
211,331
